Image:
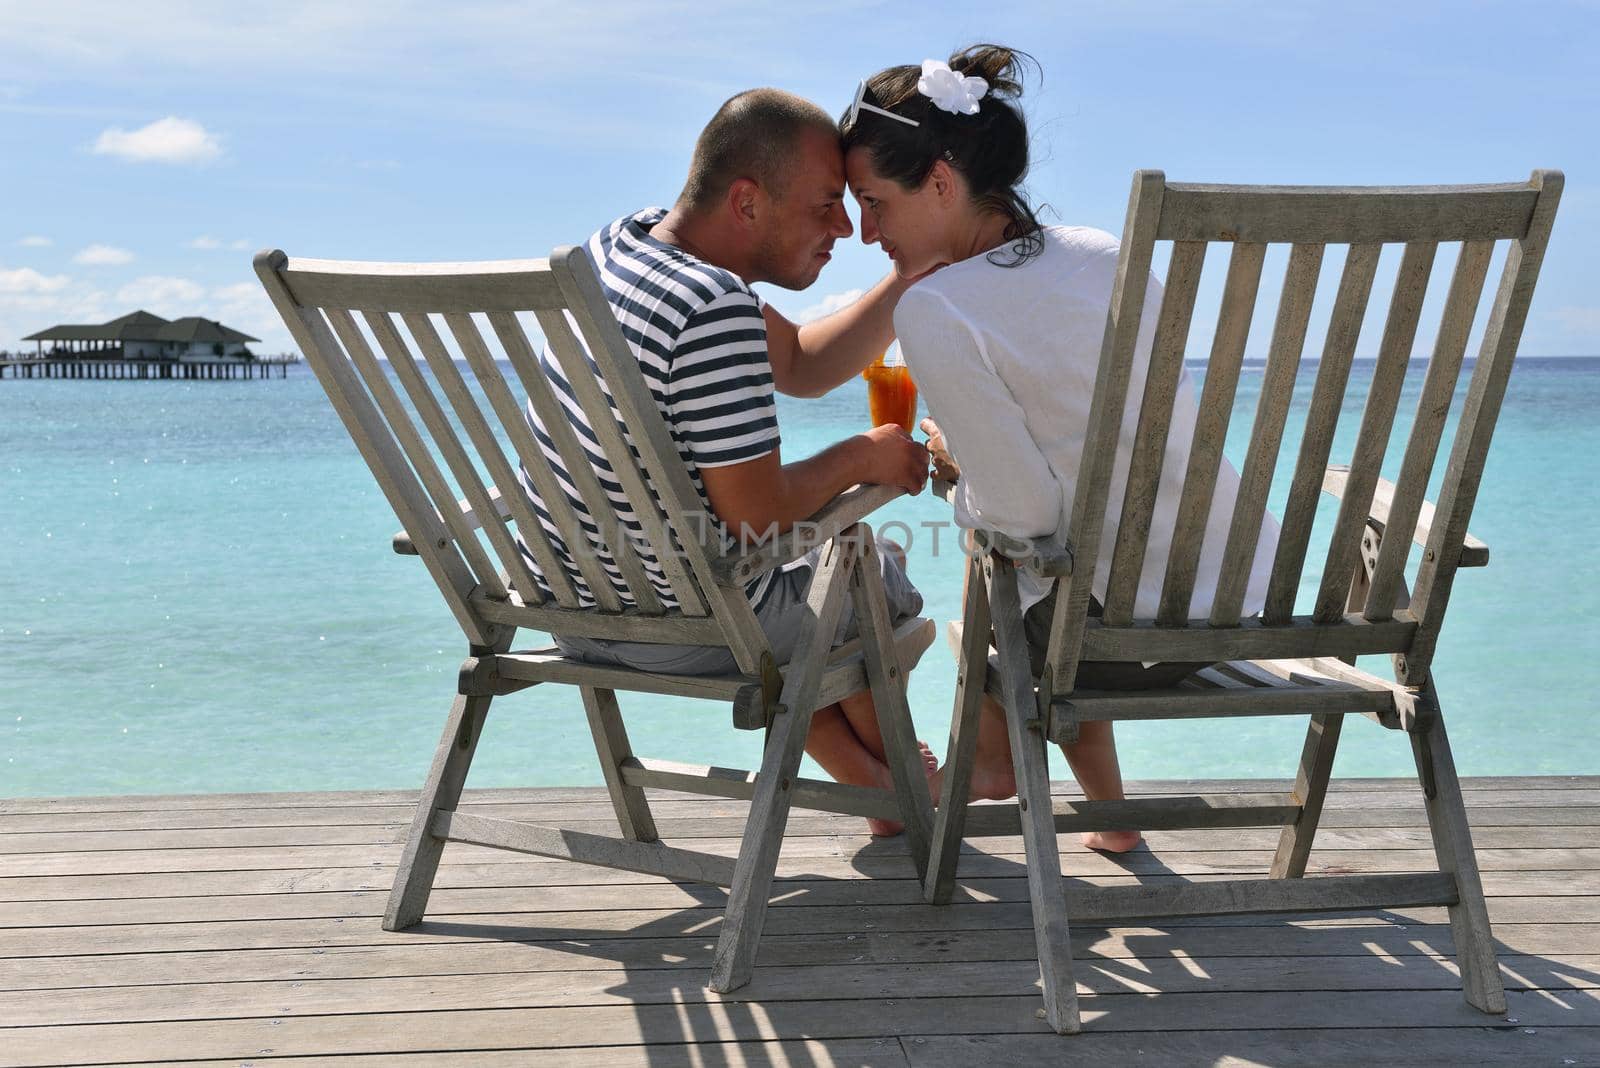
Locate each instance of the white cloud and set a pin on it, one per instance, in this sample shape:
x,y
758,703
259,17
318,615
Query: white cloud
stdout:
x,y
168,140
177,294
207,243
35,241
828,305
30,301
103,256
26,280
244,306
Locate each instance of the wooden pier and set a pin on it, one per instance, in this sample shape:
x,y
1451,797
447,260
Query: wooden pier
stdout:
x,y
153,370
245,930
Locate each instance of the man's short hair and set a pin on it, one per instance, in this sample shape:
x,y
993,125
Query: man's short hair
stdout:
x,y
753,135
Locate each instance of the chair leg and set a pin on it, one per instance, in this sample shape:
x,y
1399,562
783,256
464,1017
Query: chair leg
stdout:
x,y
973,669
420,860
1029,758
1452,844
780,762
1310,790
888,683
611,746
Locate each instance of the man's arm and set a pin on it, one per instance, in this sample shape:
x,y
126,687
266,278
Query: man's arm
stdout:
x,y
762,497
810,360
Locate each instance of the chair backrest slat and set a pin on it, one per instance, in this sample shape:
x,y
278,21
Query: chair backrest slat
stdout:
x,y
472,346
415,450
377,446
1211,430
1327,397
1433,406
1332,215
455,454
535,463
1459,491
613,540
596,404
1155,420
1106,412
1377,419
1272,411
506,285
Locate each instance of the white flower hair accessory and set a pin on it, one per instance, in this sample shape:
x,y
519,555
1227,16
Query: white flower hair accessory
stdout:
x,y
948,90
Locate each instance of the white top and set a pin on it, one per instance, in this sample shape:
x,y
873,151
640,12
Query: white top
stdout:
x,y
1006,359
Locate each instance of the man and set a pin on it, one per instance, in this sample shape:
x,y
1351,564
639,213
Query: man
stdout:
x,y
764,202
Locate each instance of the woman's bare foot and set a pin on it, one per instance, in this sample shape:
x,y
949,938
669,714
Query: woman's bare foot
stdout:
x,y
1112,841
930,767
995,784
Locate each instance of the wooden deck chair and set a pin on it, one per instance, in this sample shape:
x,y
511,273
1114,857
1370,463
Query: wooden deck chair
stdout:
x,y
463,533
1280,662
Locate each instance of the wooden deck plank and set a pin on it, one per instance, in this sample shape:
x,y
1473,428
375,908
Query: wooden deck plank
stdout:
x,y
1308,1048
290,895
794,981
1362,938
1567,843
787,917
856,1053
720,835
1479,784
232,927
626,1024
1401,811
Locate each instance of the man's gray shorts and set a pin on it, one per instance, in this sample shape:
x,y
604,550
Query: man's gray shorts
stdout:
x,y
780,617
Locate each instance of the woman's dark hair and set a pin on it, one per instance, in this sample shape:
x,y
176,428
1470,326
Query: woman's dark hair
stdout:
x,y
990,149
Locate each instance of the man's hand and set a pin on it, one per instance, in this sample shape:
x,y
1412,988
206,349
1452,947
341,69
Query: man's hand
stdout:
x,y
944,467
895,458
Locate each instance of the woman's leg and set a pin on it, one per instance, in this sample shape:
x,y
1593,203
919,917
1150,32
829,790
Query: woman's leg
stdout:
x,y
1093,759
845,741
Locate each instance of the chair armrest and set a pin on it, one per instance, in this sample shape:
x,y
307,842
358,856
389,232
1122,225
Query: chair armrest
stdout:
x,y
1474,553
405,547
1038,555
848,508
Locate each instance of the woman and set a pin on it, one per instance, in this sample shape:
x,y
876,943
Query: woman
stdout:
x,y
1003,340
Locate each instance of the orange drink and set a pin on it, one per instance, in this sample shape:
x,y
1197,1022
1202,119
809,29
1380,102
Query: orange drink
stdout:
x,y
891,395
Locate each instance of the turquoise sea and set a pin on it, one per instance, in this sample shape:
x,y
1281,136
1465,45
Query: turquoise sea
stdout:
x,y
198,595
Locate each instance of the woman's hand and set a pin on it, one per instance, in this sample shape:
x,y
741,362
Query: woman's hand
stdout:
x,y
944,467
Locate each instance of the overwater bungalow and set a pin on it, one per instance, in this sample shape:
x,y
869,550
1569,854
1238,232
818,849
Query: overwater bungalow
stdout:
x,y
143,345
142,336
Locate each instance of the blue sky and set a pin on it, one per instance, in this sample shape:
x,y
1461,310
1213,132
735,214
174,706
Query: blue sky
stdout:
x,y
151,148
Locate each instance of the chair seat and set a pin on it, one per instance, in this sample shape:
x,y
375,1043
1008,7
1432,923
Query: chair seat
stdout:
x,y
1230,688
846,673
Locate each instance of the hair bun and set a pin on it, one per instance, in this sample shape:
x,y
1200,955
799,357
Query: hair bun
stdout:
x,y
998,65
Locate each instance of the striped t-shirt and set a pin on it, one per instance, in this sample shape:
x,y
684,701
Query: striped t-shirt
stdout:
x,y
697,332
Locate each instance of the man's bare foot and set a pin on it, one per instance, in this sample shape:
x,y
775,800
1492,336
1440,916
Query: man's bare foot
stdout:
x,y
930,767
1112,841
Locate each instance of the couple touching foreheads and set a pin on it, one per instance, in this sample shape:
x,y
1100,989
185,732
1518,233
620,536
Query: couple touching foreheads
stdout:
x,y
1000,320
